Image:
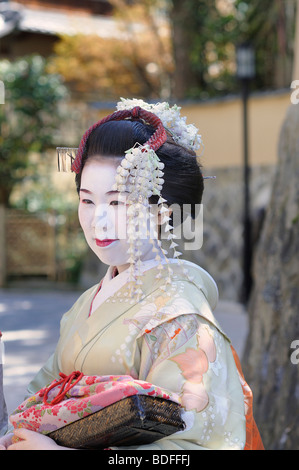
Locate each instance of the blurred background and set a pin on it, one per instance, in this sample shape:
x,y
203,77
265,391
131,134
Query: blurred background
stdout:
x,y
65,63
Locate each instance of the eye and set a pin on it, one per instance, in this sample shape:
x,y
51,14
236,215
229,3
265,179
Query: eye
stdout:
x,y
86,201
116,203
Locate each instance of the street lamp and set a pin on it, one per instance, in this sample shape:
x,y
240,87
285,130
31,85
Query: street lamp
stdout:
x,y
245,73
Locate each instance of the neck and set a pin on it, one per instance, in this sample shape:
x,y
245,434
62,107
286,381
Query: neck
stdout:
x,y
149,255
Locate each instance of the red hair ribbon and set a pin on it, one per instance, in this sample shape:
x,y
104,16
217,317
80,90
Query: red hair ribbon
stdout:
x,y
155,142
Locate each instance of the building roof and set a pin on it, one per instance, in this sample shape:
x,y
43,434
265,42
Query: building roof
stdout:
x,y
52,22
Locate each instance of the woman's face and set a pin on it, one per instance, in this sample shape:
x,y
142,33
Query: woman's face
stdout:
x,y
103,214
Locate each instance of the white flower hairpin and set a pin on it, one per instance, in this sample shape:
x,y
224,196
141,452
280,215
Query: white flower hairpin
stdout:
x,y
183,133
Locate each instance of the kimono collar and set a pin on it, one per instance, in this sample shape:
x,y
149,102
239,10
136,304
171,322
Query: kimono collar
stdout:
x,y
112,283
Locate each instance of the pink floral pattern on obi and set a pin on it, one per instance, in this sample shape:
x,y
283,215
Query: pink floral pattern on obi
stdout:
x,y
89,395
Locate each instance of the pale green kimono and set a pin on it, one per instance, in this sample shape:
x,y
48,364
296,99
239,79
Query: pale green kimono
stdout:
x,y
170,339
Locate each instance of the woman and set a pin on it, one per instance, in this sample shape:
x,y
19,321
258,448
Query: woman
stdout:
x,y
150,318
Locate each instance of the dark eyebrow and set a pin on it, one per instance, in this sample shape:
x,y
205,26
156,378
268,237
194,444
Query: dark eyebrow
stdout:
x,y
109,193
85,191
112,192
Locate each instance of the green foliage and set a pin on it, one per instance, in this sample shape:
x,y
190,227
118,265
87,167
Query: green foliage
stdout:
x,y
210,30
28,119
270,27
208,34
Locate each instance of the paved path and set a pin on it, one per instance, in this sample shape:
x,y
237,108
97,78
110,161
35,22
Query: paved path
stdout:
x,y
29,320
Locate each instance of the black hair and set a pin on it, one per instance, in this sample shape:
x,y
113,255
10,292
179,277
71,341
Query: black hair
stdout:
x,y
183,180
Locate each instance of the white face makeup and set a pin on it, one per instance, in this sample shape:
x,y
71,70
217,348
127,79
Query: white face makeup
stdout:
x,y
103,214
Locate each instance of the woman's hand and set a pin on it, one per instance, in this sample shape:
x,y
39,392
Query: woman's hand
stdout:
x,y
31,440
5,441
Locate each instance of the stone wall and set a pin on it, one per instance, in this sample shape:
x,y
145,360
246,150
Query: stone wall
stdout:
x,y
221,253
270,360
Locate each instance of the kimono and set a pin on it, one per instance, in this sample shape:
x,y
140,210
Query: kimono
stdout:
x,y
169,338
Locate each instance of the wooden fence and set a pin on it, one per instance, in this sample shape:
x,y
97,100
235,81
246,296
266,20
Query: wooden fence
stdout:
x,y
27,245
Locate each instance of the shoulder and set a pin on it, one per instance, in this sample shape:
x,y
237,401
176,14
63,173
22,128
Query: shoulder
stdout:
x,y
190,291
183,277
198,278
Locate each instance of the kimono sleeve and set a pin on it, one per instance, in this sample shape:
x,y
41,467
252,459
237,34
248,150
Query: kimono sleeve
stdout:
x,y
190,357
50,370
44,377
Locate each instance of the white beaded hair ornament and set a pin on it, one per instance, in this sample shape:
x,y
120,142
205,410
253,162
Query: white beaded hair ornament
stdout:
x,y
140,173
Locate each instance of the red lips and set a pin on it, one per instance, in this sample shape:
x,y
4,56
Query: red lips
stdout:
x,y
103,243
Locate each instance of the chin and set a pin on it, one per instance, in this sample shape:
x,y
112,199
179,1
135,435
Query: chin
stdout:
x,y
109,258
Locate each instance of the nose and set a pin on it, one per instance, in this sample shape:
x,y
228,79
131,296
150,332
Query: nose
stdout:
x,y
104,222
100,217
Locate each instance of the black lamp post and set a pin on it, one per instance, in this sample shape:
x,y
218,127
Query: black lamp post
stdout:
x,y
245,73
